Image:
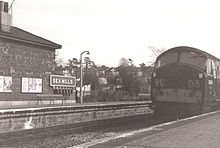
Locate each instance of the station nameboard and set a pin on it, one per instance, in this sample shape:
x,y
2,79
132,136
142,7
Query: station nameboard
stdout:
x,y
62,81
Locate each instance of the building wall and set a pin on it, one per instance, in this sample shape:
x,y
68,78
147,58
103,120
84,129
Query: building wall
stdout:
x,y
17,60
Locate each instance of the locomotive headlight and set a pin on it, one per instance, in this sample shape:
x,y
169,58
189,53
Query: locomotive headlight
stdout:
x,y
154,74
200,75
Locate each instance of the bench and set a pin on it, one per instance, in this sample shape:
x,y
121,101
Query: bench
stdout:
x,y
50,97
144,96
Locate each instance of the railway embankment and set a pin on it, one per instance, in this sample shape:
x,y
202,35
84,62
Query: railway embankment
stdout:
x,y
19,119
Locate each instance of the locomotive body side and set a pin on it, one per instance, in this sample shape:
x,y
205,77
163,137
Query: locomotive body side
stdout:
x,y
212,87
185,82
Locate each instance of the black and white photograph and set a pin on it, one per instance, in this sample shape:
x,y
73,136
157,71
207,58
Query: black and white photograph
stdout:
x,y
109,74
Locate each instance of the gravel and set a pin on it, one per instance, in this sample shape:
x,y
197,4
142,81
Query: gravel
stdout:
x,y
61,141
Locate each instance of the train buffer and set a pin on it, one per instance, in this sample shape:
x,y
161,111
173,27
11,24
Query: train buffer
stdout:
x,y
50,97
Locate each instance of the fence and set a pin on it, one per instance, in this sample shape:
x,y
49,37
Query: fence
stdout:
x,y
107,96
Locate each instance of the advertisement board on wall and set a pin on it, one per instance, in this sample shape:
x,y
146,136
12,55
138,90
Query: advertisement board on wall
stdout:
x,y
8,84
38,86
31,85
24,87
5,84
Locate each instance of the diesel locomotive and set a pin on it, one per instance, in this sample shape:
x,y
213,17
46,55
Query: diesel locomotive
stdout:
x,y
185,81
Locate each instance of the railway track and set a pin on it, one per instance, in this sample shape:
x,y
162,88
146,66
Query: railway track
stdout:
x,y
73,134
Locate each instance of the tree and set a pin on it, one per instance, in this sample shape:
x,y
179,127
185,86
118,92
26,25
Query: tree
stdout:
x,y
73,62
143,68
73,67
87,62
156,51
90,74
90,77
58,60
127,72
112,76
123,62
59,64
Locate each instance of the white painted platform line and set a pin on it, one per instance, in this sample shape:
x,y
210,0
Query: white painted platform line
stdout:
x,y
27,109
63,106
155,127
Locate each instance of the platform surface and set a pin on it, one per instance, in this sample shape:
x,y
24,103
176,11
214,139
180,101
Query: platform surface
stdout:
x,y
201,132
47,105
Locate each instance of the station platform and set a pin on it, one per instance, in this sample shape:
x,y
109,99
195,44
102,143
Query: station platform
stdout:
x,y
34,103
196,132
21,118
46,104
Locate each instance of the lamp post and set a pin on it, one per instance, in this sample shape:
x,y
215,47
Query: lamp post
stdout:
x,y
81,75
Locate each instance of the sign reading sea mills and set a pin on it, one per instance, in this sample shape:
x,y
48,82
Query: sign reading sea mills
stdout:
x,y
62,81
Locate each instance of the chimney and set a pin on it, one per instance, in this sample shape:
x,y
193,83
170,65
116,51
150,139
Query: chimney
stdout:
x,y
1,6
5,17
6,7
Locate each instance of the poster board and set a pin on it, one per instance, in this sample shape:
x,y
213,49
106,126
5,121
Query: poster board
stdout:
x,y
5,84
31,85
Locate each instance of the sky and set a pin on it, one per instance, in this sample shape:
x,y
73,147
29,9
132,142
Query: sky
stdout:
x,y
115,29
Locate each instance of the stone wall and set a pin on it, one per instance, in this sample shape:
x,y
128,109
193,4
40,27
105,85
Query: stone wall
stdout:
x,y
19,60
24,119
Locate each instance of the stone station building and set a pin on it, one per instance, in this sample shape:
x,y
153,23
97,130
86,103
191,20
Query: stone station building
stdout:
x,y
26,62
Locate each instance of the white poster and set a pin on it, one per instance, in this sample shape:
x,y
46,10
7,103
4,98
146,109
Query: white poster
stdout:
x,y
7,84
38,85
31,85
24,85
1,83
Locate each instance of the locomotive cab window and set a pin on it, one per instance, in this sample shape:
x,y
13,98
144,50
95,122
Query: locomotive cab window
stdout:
x,y
167,59
192,58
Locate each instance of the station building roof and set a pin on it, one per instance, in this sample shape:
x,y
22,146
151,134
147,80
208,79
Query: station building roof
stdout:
x,y
20,35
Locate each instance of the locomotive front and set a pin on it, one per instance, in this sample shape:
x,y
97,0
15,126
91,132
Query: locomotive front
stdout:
x,y
178,82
